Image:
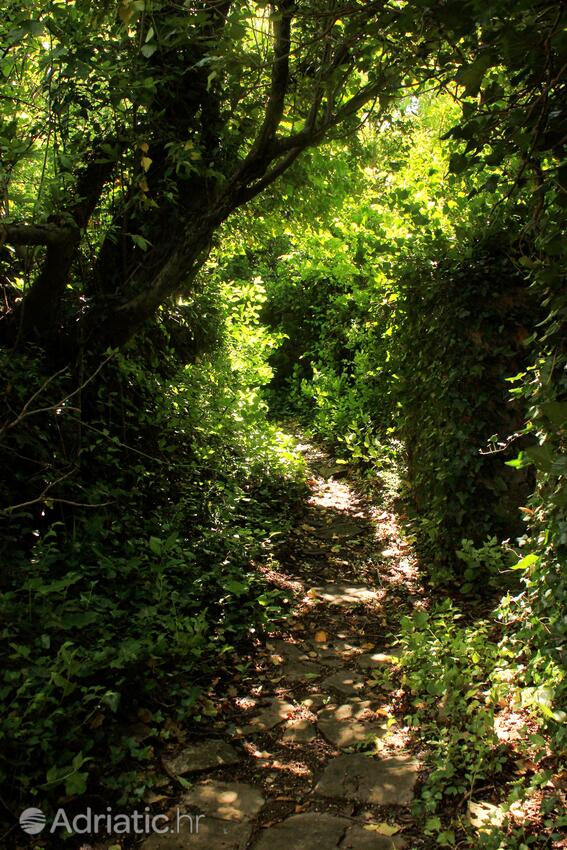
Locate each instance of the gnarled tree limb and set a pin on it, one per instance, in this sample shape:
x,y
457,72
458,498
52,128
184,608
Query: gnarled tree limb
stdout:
x,y
21,233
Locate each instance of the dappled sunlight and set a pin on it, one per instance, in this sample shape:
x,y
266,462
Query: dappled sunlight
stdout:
x,y
282,451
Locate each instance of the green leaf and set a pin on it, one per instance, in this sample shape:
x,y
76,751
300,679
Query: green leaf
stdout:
x,y
541,456
236,587
526,562
155,545
112,700
458,163
76,784
140,241
556,412
420,618
471,76
148,50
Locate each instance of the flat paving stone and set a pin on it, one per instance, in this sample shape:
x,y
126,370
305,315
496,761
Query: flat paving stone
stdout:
x,y
310,831
349,724
288,650
343,529
340,649
225,800
357,838
212,834
299,670
203,755
384,782
267,718
346,594
315,701
348,682
300,732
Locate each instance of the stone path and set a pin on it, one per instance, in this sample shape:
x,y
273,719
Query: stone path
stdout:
x,y
309,753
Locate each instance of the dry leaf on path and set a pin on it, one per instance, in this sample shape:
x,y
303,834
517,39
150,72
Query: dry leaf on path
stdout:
x,y
383,828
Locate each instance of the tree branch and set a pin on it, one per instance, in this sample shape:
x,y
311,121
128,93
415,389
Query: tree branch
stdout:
x,y
248,192
39,310
280,78
259,155
312,136
34,234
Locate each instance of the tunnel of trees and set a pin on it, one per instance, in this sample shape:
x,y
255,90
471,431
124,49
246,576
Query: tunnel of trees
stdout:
x,y
224,223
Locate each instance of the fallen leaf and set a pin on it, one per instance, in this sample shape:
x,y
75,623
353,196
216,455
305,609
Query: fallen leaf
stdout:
x,y
383,828
485,815
320,636
312,594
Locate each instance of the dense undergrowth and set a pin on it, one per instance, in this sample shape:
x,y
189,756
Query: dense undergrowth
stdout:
x,y
402,292
142,492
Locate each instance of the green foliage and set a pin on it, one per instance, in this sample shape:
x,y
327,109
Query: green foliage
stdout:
x,y
368,291
333,288
484,564
460,329
403,323
457,677
446,670
150,486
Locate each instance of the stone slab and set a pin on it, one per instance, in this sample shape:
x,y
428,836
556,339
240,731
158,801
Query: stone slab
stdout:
x,y
348,682
315,701
310,831
299,670
267,718
288,650
349,724
212,835
300,732
225,800
203,755
346,594
383,782
340,529
357,838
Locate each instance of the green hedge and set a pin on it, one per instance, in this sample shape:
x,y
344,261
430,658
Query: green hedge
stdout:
x,y
461,329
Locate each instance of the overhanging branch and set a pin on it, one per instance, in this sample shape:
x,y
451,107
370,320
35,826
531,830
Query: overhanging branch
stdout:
x,y
35,234
313,135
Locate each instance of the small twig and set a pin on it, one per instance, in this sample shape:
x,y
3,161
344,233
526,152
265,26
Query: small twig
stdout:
x,y
41,496
501,446
25,412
